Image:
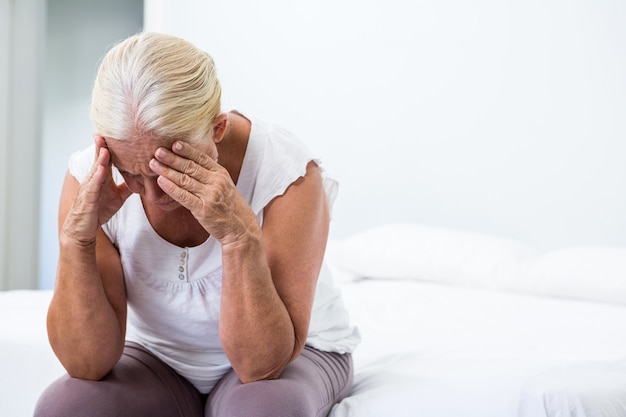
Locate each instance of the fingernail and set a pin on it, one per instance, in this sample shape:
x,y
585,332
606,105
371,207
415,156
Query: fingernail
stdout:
x,y
178,146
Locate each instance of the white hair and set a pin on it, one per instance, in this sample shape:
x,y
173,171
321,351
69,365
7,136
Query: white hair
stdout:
x,y
158,86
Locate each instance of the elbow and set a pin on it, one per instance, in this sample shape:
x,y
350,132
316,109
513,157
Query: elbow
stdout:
x,y
247,377
251,369
85,368
92,367
261,363
90,373
250,373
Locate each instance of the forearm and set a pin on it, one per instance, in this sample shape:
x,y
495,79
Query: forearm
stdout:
x,y
83,327
256,330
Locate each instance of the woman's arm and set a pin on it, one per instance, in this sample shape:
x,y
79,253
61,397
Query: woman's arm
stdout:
x,y
269,281
269,275
87,314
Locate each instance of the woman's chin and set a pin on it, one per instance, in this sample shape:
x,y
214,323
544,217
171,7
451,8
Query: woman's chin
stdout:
x,y
168,205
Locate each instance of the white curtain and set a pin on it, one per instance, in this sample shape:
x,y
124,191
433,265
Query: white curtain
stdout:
x,y
22,32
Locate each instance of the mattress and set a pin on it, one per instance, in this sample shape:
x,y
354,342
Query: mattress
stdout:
x,y
439,350
27,363
452,324
427,349
458,323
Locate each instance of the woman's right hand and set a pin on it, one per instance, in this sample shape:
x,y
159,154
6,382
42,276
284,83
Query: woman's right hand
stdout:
x,y
97,200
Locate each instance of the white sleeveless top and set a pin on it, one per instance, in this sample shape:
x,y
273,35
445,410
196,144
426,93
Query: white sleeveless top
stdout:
x,y
174,292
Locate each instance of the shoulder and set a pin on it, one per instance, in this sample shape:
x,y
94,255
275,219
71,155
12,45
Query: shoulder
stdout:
x,y
275,159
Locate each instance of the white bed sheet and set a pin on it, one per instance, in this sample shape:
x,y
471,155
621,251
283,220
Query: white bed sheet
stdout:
x,y
427,350
438,350
27,363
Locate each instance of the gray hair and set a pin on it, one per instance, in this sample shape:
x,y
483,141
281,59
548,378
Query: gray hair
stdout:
x,y
158,86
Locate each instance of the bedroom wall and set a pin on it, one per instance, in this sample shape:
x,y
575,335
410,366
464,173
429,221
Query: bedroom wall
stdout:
x,y
502,117
79,32
22,28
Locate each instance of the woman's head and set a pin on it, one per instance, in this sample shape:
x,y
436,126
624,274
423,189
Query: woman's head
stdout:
x,y
156,86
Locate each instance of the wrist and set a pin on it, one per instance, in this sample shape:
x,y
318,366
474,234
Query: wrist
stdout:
x,y
246,241
70,240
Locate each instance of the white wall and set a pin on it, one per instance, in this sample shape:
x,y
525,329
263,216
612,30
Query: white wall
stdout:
x,y
497,116
22,28
79,32
5,82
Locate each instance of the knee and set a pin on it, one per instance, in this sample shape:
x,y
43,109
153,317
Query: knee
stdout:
x,y
66,397
272,398
125,392
309,387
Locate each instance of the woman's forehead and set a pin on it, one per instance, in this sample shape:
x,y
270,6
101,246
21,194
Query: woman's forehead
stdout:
x,y
133,157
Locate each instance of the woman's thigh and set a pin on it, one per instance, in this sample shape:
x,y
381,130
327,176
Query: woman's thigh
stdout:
x,y
139,385
308,387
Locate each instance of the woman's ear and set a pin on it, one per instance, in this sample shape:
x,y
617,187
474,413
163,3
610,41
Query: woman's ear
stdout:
x,y
219,127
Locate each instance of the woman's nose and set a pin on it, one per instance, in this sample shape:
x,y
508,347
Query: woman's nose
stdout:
x,y
151,190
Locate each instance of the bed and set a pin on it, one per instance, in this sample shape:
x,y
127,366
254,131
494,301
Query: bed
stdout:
x,y
453,323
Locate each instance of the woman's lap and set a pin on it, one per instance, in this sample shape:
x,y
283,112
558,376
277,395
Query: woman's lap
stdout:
x,y
308,387
139,385
142,385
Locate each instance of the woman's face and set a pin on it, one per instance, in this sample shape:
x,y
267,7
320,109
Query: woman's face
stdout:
x,y
132,161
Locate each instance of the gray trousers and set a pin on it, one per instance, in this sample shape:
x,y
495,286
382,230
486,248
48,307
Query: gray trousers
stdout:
x,y
141,385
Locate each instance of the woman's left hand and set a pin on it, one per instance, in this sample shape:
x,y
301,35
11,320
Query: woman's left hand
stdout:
x,y
205,188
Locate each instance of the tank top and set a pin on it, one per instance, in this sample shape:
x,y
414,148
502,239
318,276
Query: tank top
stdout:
x,y
174,292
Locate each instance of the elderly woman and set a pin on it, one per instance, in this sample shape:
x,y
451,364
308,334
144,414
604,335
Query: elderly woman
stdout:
x,y
190,279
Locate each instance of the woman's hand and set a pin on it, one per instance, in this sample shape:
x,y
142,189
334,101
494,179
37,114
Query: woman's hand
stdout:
x,y
97,200
205,188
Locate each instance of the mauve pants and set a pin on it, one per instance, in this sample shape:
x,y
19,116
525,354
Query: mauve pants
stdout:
x,y
141,385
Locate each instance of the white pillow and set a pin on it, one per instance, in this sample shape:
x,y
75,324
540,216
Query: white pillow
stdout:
x,y
590,273
417,251
427,253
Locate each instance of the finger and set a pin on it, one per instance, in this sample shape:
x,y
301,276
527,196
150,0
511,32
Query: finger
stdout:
x,y
187,151
198,169
92,186
99,178
99,140
167,159
99,161
100,157
100,143
184,197
194,180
